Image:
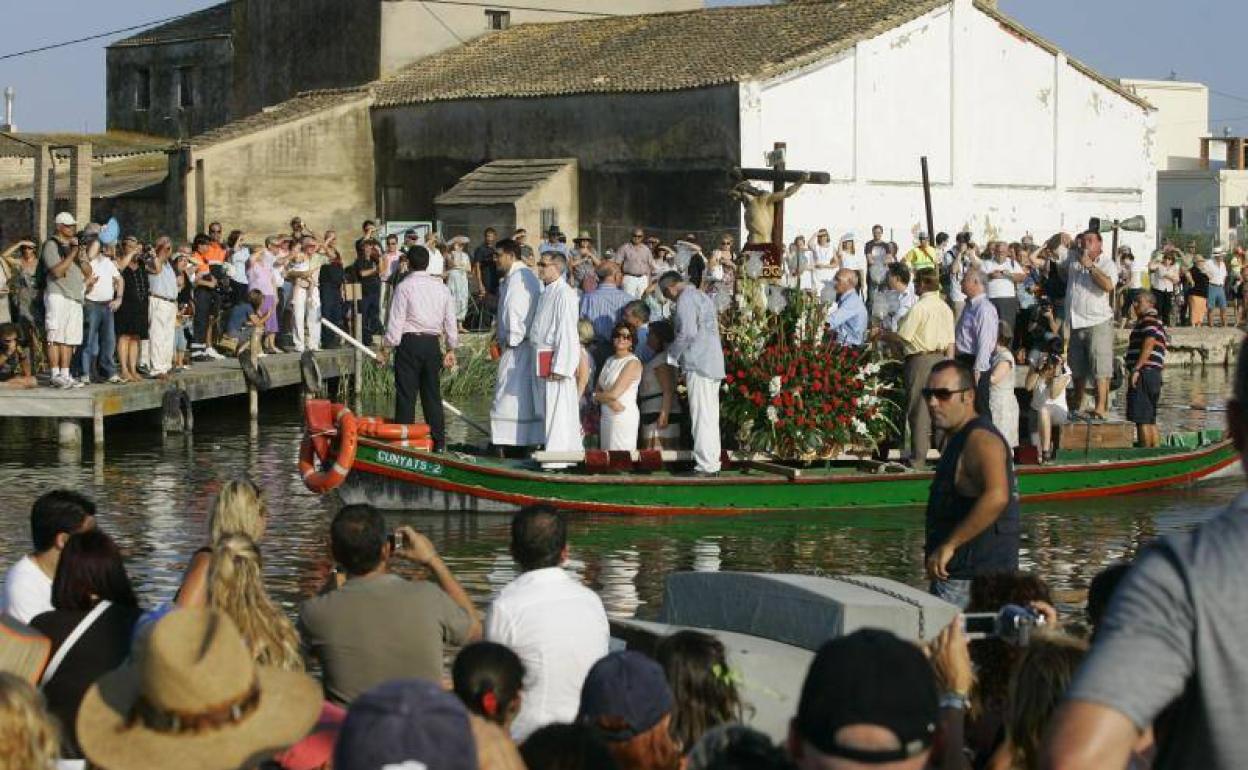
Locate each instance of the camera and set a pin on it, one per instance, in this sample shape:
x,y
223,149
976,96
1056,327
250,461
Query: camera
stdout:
x,y
396,541
1012,624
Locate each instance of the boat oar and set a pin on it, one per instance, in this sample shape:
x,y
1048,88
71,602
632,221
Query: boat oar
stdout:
x,y
377,359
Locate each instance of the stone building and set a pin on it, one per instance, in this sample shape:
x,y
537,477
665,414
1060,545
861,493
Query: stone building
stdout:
x,y
234,59
1020,138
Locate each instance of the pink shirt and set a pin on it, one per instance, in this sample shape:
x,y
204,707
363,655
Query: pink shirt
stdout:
x,y
260,276
422,305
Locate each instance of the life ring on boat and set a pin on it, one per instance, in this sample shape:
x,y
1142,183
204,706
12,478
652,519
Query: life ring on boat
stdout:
x,y
389,431
312,467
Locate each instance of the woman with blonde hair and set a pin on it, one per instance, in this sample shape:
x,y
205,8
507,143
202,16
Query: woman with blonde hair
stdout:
x,y
28,736
239,509
236,588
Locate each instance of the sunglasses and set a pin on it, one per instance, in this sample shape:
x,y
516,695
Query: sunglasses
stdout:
x,y
941,394
545,264
621,336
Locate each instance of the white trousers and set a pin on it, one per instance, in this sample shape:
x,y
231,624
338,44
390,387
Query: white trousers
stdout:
x,y
704,415
635,285
162,326
305,329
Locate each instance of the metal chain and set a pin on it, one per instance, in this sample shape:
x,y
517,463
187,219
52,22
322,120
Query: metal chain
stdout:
x,y
892,594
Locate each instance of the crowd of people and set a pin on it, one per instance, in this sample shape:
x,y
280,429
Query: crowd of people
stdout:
x,y
93,305
219,677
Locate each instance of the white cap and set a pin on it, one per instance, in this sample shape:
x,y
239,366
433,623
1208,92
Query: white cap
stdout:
x,y
66,218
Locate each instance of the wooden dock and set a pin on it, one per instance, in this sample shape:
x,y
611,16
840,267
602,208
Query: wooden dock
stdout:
x,y
203,381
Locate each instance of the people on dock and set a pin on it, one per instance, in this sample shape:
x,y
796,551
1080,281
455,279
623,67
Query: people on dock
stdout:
x,y
65,265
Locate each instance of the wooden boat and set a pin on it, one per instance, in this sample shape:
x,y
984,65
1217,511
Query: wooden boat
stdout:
x,y
403,475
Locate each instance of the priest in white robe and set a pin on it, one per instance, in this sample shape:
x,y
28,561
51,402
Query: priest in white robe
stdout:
x,y
515,418
555,340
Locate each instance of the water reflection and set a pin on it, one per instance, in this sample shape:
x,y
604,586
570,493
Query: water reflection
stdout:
x,y
154,495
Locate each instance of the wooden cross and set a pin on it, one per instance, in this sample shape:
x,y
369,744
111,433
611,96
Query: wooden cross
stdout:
x,y
779,177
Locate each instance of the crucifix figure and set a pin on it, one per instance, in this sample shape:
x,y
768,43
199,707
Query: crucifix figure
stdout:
x,y
764,212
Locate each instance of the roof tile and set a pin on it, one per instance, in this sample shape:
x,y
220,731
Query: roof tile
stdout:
x,y
210,22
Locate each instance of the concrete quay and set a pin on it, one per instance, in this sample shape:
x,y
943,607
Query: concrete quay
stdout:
x,y
1203,346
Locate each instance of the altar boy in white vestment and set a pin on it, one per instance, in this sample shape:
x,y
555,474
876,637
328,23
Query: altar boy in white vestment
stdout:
x,y
515,417
557,349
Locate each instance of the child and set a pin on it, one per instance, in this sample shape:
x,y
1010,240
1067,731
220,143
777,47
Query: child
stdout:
x,y
257,319
186,311
14,360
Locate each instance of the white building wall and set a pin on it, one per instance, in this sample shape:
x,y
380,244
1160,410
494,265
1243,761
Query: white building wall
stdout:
x,y
1182,119
1018,141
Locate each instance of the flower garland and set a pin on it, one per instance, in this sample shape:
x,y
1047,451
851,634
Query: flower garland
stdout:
x,y
791,393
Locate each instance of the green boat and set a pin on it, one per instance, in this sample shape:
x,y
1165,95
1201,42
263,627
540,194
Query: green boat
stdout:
x,y
390,475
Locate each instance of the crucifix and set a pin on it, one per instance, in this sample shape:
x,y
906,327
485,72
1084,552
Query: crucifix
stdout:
x,y
764,211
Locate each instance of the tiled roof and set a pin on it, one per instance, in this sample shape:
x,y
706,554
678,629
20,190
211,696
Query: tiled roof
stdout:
x,y
500,182
292,109
107,145
198,25
659,52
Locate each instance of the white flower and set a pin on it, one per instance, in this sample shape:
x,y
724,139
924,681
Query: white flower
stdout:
x,y
871,369
754,266
867,400
772,414
860,427
722,301
776,301
773,387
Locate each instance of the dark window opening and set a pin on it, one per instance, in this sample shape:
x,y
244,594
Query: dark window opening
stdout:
x,y
142,89
186,87
1235,213
1176,219
498,19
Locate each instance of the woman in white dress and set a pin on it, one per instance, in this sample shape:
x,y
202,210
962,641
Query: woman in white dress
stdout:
x,y
799,266
458,265
1001,398
617,392
824,254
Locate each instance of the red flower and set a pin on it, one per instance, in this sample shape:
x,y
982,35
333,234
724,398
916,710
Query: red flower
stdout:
x,y
728,378
788,412
740,374
758,399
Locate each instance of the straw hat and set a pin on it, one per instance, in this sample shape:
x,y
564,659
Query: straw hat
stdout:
x,y
195,700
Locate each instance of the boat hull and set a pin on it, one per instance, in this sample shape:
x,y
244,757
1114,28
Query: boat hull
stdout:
x,y
397,478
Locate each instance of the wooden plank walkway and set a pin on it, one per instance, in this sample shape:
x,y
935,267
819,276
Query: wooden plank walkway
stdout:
x,y
202,382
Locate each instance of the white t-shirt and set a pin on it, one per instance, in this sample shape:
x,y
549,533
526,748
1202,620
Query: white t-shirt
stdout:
x,y
437,263
559,629
1002,286
1138,268
1216,272
105,271
1087,304
853,261
27,590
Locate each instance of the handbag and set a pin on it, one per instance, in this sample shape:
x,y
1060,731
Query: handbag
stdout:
x,y
83,626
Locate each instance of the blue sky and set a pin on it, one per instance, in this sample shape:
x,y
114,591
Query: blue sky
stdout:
x,y
1196,39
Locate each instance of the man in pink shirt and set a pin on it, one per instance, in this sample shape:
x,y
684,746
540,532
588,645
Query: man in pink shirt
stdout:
x,y
421,312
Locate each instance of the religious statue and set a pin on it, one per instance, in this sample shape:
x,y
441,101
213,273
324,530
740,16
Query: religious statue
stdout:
x,y
760,208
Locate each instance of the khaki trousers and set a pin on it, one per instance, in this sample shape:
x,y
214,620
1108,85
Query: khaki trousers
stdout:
x,y
918,368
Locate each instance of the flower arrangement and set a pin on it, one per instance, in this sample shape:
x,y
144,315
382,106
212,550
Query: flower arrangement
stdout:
x,y
791,393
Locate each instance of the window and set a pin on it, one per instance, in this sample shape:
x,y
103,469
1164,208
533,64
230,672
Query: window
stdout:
x,y
1235,216
186,87
1176,219
497,20
550,218
143,89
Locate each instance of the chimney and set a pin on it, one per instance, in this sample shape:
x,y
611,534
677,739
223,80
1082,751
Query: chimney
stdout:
x,y
8,127
80,158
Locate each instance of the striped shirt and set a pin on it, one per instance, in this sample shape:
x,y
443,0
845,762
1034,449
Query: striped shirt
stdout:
x,y
1149,326
602,307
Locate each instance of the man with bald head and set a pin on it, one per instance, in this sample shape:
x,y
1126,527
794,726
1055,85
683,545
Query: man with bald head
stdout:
x,y
847,323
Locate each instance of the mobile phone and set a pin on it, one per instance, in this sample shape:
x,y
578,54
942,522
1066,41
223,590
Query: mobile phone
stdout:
x,y
396,540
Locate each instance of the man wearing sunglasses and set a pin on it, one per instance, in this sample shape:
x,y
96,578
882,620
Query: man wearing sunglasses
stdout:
x,y
972,509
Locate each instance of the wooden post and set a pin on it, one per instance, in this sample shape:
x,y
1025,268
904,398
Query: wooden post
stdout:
x,y
354,293
253,395
927,201
777,229
97,427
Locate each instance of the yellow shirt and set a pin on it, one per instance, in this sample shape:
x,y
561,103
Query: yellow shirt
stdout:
x,y
920,258
928,327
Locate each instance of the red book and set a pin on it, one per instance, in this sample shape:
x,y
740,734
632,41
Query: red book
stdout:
x,y
544,358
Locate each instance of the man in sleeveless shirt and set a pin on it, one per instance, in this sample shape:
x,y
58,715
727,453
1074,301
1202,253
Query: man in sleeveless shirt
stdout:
x,y
972,509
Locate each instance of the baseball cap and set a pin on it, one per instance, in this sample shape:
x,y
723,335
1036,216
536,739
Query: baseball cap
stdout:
x,y
406,723
869,677
66,218
624,695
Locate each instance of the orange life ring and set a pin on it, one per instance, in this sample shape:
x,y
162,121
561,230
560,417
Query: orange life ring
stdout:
x,y
330,478
388,431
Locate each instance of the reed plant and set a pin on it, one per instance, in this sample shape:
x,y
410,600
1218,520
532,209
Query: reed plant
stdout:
x,y
473,376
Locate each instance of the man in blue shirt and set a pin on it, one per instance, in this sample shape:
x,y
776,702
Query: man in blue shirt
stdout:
x,y
602,307
699,353
848,322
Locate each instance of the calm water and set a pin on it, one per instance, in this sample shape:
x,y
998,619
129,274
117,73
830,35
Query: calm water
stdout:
x,y
154,495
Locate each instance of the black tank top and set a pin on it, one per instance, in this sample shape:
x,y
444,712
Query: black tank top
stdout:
x,y
996,548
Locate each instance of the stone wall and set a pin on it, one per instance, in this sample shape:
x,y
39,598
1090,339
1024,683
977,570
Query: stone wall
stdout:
x,y
319,167
1198,347
211,74
658,160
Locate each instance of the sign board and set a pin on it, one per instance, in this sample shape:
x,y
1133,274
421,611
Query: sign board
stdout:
x,y
398,227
